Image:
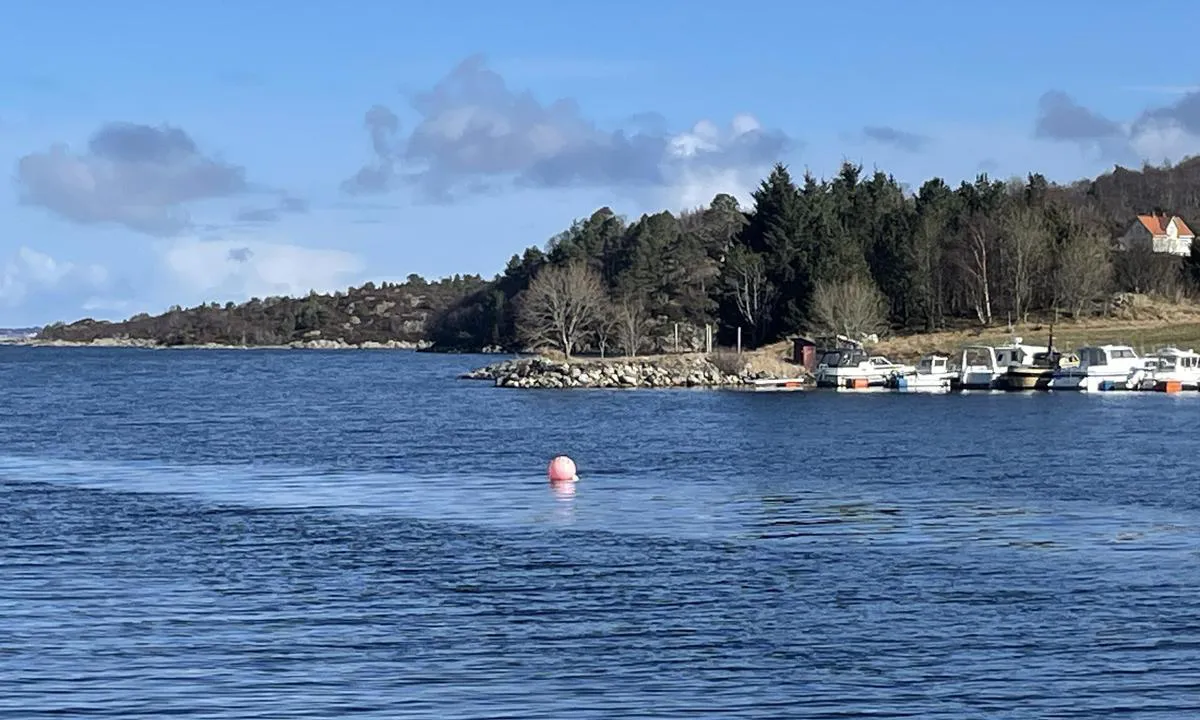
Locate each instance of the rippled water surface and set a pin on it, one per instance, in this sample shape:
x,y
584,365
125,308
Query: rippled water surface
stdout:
x,y
359,534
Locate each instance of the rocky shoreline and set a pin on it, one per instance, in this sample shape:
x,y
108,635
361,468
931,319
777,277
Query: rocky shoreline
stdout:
x,y
155,345
539,372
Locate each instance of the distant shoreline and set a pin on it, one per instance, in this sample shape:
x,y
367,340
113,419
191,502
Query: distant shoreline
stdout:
x,y
144,344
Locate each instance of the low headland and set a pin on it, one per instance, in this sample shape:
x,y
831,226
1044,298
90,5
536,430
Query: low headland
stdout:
x,y
154,344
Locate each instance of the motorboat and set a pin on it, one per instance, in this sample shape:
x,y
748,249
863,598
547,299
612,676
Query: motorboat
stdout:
x,y
1018,354
977,369
1101,367
853,368
931,374
1171,364
984,367
1035,374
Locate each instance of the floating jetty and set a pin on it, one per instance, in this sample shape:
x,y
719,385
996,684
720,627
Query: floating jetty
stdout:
x,y
779,384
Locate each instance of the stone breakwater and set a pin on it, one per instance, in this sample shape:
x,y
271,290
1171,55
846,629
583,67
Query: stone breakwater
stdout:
x,y
672,373
123,342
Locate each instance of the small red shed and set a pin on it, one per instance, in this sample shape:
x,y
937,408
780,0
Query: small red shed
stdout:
x,y
804,353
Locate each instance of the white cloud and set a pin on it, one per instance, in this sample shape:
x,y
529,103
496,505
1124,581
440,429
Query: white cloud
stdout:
x,y
239,269
696,188
1158,140
476,134
30,272
138,176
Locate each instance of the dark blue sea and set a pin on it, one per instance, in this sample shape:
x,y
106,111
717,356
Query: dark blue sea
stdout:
x,y
308,534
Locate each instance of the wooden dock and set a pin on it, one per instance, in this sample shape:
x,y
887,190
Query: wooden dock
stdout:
x,y
780,384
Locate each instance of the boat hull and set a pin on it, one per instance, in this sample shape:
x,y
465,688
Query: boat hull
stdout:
x,y
921,383
1026,379
976,380
1083,381
1159,380
850,380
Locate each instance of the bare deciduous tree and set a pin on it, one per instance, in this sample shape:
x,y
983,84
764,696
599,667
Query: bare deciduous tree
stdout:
x,y
753,294
1024,240
632,324
1082,270
1141,270
978,241
607,325
561,306
853,308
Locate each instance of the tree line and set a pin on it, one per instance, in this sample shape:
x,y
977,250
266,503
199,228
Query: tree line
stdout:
x,y
855,254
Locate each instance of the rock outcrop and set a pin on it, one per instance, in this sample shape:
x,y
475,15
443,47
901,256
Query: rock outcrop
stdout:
x,y
538,372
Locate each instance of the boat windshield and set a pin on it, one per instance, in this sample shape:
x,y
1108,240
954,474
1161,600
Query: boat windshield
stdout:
x,y
930,365
1046,359
843,358
976,357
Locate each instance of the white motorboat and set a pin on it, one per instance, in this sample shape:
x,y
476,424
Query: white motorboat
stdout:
x,y
932,374
984,367
1171,364
978,369
852,368
1018,354
1101,367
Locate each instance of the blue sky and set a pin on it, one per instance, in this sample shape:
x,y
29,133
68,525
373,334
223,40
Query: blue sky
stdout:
x,y
183,152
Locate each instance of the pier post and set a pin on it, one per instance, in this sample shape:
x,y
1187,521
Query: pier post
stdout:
x,y
739,340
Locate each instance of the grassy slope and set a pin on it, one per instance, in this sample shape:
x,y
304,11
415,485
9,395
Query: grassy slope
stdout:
x,y
1147,325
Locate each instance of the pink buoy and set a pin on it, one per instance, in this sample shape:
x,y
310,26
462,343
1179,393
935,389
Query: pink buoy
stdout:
x,y
562,469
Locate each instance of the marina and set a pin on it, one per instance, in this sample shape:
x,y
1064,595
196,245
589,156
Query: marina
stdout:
x,y
1015,366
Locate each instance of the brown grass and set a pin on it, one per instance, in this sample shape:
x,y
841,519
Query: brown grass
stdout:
x,y
1143,323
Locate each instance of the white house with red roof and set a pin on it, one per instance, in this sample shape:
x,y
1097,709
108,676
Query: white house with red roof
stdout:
x,y
1161,233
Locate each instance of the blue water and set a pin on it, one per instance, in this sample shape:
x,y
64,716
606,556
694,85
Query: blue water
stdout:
x,y
305,534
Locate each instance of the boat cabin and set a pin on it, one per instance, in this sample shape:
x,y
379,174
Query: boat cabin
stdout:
x,y
933,364
1099,356
1018,353
976,357
843,358
1173,357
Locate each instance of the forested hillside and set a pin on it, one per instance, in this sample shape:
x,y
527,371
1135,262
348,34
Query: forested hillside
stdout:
x,y
854,253
389,311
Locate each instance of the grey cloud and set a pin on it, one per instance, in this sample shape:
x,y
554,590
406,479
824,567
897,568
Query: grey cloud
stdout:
x,y
475,134
293,205
383,126
1148,137
1184,113
908,141
241,254
287,204
259,215
138,176
1061,118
